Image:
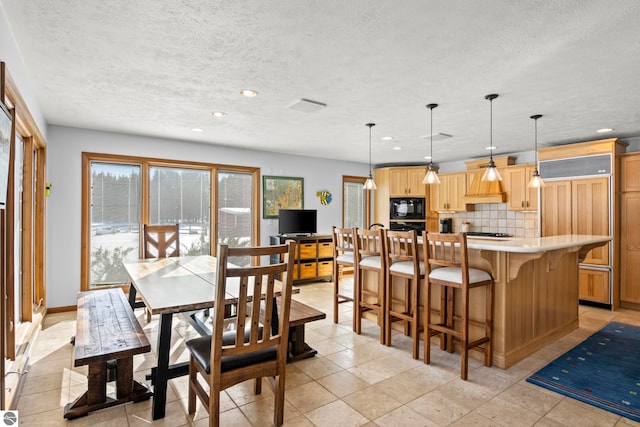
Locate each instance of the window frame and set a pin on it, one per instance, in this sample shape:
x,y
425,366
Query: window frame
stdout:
x,y
367,197
146,163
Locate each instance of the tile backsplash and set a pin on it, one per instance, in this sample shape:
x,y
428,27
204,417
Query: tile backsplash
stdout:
x,y
495,218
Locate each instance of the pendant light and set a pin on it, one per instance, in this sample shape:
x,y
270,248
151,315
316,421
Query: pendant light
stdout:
x,y
431,177
491,172
536,179
369,184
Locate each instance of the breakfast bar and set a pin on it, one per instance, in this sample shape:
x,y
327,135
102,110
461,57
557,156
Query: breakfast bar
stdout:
x,y
535,290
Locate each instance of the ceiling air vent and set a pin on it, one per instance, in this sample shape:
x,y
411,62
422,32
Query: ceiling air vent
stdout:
x,y
307,105
437,136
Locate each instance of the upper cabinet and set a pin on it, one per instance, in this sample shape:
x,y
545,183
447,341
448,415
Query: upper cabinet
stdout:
x,y
407,181
520,197
448,196
631,172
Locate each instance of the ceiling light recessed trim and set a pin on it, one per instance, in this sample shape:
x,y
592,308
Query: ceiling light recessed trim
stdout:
x,y
218,114
386,138
197,130
605,130
248,93
397,148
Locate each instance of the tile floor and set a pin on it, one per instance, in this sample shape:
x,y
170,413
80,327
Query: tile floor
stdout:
x,y
353,381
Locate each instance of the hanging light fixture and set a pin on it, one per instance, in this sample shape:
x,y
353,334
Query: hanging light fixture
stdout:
x,y
431,177
491,172
369,184
536,179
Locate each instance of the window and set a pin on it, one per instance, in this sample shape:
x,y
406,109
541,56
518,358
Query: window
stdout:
x,y
182,196
235,216
121,193
115,221
355,203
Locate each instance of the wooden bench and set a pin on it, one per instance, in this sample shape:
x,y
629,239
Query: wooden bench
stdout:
x,y
299,315
107,331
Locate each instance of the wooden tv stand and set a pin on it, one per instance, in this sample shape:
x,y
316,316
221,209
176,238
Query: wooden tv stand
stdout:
x,y
314,256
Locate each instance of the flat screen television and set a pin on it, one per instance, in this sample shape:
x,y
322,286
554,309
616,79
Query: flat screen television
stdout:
x,y
297,222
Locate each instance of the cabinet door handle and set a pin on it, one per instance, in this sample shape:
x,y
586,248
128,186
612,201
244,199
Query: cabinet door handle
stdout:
x,y
527,203
522,204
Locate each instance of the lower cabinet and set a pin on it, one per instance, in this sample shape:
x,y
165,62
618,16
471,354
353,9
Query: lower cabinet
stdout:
x,y
314,257
594,285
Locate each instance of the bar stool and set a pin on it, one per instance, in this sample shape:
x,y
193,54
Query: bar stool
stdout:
x,y
343,256
402,258
448,267
369,257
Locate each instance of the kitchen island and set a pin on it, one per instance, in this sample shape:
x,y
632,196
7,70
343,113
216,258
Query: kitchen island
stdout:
x,y
535,292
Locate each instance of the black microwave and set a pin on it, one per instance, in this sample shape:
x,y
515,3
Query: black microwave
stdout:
x,y
403,208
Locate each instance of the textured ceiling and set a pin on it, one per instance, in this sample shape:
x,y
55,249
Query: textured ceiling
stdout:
x,y
161,68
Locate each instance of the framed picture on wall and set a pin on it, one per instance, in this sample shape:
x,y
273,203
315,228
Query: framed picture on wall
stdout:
x,y
281,192
5,151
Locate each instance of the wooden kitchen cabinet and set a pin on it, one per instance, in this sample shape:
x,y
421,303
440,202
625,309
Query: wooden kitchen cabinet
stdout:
x,y
581,206
630,232
590,214
407,181
449,194
630,242
631,172
520,197
556,208
578,206
593,285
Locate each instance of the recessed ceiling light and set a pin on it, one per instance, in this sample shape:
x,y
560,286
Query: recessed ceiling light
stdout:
x,y
218,114
386,138
197,130
249,93
427,157
604,130
490,148
397,148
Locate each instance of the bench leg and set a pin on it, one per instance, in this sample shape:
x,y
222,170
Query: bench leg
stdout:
x,y
96,394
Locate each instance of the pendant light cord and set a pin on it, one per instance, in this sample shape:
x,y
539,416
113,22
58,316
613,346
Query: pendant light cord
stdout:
x,y
535,118
370,125
491,128
431,152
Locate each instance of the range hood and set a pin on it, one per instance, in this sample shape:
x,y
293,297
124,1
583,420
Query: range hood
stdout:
x,y
479,191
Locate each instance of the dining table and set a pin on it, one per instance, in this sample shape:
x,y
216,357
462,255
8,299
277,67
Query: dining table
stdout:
x,y
175,285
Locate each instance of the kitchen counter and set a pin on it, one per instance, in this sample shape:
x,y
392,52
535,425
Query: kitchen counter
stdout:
x,y
534,244
535,290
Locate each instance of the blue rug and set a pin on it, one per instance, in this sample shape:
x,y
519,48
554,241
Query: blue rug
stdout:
x,y
603,371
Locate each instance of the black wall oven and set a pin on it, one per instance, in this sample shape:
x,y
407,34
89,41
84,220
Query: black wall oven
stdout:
x,y
407,208
419,226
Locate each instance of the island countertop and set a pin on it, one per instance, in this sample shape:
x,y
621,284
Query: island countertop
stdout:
x,y
534,244
535,290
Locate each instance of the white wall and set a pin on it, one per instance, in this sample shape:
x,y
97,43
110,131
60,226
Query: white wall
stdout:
x,y
10,55
64,167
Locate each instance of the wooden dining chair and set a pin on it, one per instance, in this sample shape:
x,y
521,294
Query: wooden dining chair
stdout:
x,y
448,268
158,241
403,262
369,257
343,257
254,348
